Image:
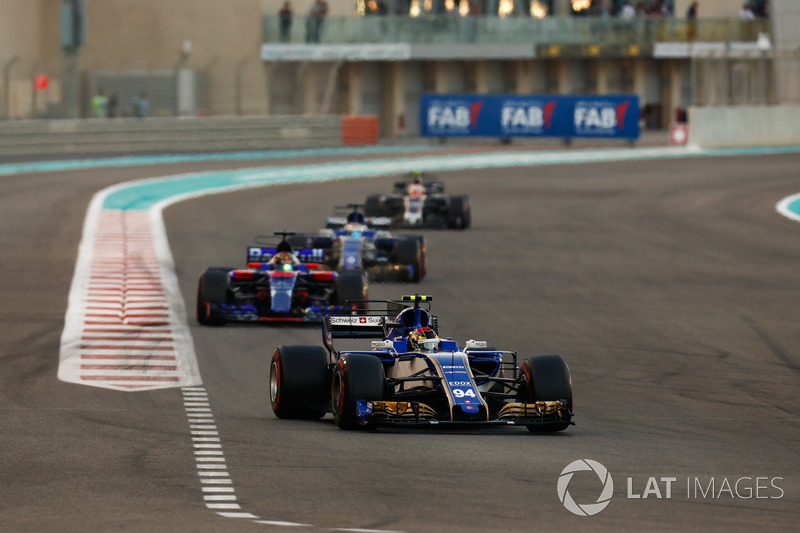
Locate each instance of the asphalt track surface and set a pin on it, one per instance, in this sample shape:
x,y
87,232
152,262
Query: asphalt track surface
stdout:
x,y
670,287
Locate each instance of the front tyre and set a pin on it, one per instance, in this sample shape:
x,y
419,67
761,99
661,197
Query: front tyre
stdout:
x,y
299,382
546,378
355,377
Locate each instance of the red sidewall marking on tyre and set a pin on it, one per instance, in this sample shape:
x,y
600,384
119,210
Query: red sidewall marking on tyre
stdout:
x,y
276,401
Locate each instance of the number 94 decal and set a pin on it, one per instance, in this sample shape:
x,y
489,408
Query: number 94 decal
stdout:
x,y
464,393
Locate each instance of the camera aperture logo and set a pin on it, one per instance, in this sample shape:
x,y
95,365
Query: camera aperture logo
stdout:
x,y
664,487
586,509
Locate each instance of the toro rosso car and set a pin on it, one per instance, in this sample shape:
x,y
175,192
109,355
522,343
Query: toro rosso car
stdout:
x,y
414,204
279,285
408,376
354,241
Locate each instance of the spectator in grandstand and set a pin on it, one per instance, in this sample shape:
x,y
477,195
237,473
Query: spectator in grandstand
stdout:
x,y
111,105
315,21
691,13
691,16
100,104
628,11
660,8
285,15
140,105
746,12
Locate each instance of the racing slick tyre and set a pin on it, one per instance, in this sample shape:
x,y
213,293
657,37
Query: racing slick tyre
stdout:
x,y
459,215
212,288
350,285
355,377
299,382
373,206
546,378
424,246
409,252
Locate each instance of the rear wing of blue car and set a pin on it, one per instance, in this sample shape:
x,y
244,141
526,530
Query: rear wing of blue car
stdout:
x,y
356,326
260,254
380,320
376,223
352,326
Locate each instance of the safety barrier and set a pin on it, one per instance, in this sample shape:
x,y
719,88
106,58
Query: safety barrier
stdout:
x,y
177,134
507,116
359,129
741,126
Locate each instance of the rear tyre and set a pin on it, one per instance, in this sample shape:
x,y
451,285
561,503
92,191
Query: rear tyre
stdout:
x,y
373,206
299,382
212,288
355,377
546,378
459,214
409,252
423,270
350,285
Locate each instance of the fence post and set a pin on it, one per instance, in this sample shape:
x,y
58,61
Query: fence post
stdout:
x,y
7,86
239,68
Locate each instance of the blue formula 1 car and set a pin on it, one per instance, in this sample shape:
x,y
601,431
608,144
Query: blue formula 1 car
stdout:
x,y
408,376
354,241
278,285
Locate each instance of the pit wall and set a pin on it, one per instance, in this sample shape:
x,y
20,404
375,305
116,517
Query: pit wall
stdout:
x,y
744,126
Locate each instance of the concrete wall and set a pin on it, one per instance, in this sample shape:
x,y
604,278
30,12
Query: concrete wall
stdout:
x,y
786,37
154,135
224,36
724,127
28,47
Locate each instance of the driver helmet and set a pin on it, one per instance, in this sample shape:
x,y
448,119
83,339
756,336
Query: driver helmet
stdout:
x,y
356,217
283,258
424,339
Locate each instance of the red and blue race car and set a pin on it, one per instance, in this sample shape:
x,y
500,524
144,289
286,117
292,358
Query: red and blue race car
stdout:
x,y
280,284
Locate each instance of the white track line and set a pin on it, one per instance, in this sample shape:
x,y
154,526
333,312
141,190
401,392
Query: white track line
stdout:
x,y
125,327
783,207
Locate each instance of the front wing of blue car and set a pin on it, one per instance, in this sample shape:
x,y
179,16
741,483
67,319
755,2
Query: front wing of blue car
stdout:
x,y
391,413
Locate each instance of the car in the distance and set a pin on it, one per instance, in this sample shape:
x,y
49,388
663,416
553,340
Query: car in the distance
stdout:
x,y
417,203
353,241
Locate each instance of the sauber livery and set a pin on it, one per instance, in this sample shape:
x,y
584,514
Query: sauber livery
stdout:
x,y
409,376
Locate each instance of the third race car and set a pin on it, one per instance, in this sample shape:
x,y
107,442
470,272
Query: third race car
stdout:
x,y
353,241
